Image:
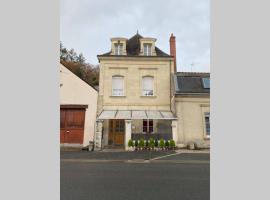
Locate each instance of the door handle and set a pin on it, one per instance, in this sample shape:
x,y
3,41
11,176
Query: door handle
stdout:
x,y
67,131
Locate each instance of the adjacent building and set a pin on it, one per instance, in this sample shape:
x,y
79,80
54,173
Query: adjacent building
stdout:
x,y
78,107
192,108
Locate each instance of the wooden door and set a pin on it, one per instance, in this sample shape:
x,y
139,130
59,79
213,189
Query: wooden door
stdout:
x,y
72,125
117,132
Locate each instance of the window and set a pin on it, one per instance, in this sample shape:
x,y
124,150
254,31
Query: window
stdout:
x,y
117,86
206,82
147,49
147,86
148,126
118,49
207,124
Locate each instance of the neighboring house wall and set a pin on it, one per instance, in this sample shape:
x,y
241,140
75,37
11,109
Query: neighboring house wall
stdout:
x,y
75,91
191,125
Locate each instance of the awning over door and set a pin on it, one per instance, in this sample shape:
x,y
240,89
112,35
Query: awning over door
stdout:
x,y
136,114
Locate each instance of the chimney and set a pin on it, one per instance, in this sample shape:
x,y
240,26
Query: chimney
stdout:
x,y
173,50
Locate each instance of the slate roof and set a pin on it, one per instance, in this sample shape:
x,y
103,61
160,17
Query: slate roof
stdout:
x,y
190,83
133,48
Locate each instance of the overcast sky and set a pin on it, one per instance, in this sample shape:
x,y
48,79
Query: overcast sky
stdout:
x,y
88,25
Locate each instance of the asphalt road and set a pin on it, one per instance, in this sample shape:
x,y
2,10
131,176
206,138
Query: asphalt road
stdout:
x,y
136,181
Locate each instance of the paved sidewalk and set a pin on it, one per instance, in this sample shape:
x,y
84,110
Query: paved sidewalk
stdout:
x,y
195,157
124,155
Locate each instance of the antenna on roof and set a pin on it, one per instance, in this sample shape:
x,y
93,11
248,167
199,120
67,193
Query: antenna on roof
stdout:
x,y
192,64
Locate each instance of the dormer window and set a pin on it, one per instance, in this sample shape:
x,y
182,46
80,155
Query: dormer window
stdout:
x,y
118,49
147,48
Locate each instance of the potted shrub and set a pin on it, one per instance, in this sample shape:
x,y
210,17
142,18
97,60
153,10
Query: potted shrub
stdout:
x,y
156,143
147,145
172,144
151,143
136,145
130,144
141,144
167,145
161,144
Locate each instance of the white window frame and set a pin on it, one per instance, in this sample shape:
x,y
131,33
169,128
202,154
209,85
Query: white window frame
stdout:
x,y
148,126
148,51
143,90
118,49
207,114
123,90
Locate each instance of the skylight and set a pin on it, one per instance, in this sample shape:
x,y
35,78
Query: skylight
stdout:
x,y
206,82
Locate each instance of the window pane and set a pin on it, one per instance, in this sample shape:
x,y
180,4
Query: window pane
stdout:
x,y
144,126
207,124
122,126
151,127
117,86
147,49
147,86
118,49
206,82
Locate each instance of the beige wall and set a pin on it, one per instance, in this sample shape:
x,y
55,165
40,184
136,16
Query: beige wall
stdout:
x,y
76,91
133,70
190,113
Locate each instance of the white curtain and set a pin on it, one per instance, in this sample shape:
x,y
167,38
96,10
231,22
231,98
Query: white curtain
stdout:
x,y
117,85
147,86
147,83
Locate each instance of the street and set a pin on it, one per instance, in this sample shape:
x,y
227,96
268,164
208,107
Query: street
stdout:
x,y
181,176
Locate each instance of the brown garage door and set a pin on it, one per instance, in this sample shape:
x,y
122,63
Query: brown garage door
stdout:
x,y
72,124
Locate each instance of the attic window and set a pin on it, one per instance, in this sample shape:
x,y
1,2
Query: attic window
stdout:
x,y
118,49
147,49
206,82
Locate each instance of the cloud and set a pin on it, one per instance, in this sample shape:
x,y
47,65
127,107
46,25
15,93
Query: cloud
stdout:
x,y
88,25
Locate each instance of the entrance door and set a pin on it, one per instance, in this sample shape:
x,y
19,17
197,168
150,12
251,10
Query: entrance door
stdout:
x,y
117,132
72,125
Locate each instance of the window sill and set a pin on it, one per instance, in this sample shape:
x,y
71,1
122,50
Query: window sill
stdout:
x,y
123,96
148,96
206,138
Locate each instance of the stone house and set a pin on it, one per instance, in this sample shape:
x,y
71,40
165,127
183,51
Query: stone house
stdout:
x,y
138,96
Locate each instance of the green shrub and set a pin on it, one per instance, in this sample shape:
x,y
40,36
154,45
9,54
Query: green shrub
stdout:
x,y
136,143
151,143
141,143
156,142
161,143
167,144
147,144
130,143
172,144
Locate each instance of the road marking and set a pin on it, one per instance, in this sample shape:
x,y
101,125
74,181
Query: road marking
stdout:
x,y
137,161
159,157
182,161
90,160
